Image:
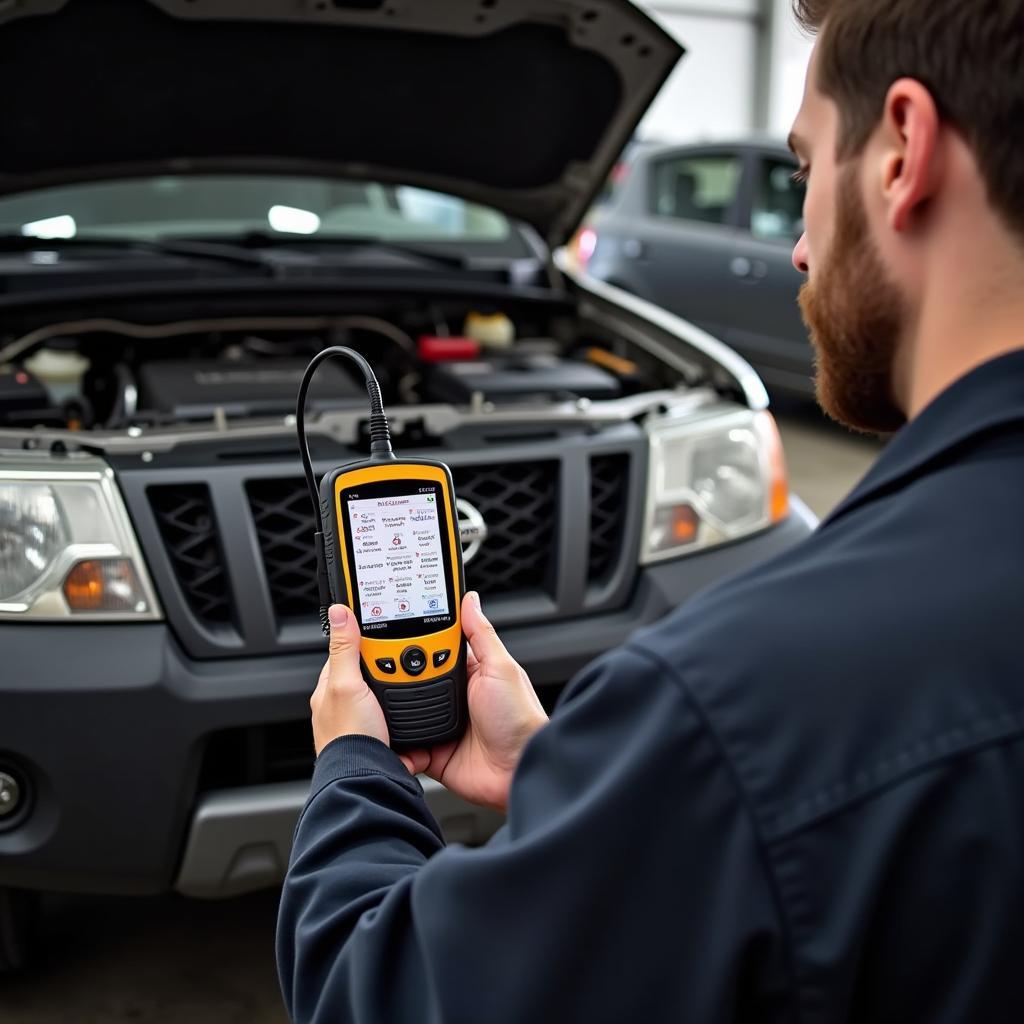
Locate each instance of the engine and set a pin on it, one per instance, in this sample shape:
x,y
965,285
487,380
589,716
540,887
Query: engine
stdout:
x,y
113,375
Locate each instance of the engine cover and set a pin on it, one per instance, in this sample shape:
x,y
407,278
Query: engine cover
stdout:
x,y
192,390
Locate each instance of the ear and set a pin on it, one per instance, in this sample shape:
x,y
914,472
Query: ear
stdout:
x,y
910,163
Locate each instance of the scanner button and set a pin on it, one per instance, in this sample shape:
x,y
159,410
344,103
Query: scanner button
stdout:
x,y
440,657
414,661
386,665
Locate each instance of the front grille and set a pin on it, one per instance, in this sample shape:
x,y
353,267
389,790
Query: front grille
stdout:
x,y
257,755
609,492
231,548
184,515
283,517
518,502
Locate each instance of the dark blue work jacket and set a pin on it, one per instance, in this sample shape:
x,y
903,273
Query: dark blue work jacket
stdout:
x,y
798,798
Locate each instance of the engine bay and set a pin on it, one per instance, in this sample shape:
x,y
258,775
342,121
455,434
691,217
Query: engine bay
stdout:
x,y
113,375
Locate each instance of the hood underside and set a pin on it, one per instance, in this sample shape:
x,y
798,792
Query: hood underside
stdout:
x,y
521,105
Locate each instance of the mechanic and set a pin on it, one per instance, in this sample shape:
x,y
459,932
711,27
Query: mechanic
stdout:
x,y
801,796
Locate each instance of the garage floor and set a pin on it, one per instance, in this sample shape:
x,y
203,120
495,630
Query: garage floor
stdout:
x,y
169,960
825,460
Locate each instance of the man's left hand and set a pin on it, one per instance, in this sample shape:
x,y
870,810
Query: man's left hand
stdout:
x,y
342,703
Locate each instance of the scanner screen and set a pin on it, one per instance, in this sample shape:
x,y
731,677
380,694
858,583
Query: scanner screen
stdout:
x,y
397,552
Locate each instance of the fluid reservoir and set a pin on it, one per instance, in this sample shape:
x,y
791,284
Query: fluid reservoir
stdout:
x,y
59,372
492,330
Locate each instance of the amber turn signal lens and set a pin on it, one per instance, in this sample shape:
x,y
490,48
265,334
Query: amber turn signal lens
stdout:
x,y
84,587
778,497
685,524
104,585
674,527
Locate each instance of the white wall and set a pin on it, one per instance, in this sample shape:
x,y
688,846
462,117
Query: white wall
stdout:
x,y
790,51
711,92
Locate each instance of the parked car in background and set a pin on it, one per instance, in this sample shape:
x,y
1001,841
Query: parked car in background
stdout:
x,y
707,232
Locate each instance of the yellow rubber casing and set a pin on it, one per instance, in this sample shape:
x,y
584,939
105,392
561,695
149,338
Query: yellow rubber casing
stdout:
x,y
449,638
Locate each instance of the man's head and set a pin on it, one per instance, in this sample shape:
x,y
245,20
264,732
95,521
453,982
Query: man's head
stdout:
x,y
910,132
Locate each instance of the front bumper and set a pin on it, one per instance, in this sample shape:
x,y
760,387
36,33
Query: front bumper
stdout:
x,y
106,727
240,840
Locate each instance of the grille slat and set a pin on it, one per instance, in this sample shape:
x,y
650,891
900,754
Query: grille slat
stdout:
x,y
609,478
283,518
518,501
184,516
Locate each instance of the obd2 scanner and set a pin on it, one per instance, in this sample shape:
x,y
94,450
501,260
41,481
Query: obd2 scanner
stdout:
x,y
387,545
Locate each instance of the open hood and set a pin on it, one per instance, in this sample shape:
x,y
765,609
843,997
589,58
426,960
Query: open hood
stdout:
x,y
521,105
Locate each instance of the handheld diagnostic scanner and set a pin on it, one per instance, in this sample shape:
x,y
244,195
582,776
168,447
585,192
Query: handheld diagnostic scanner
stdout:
x,y
388,546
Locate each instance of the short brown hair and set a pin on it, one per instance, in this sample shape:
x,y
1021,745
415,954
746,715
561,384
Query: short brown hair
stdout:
x,y
968,53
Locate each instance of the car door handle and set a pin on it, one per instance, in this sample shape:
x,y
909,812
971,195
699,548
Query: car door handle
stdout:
x,y
749,270
633,248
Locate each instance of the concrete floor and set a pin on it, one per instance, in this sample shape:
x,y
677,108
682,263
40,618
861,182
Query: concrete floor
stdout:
x,y
169,960
151,961
825,461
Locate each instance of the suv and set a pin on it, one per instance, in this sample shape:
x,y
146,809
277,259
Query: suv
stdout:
x,y
212,206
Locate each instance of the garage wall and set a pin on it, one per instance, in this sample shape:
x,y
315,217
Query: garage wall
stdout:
x,y
790,49
712,93
744,70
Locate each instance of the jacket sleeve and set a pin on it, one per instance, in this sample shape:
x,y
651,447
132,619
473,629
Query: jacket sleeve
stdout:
x,y
628,883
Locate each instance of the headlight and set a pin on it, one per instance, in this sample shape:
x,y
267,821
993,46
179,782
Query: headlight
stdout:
x,y
67,548
712,481
31,535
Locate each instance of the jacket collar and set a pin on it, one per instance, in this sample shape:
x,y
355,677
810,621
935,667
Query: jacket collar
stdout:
x,y
988,397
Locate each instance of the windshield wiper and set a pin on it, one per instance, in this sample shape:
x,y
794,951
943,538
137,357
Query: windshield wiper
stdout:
x,y
220,252
240,251
442,258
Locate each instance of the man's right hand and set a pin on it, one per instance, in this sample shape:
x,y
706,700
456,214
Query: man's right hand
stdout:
x,y
504,713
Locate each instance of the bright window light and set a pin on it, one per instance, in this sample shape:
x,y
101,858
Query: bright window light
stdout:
x,y
51,227
293,220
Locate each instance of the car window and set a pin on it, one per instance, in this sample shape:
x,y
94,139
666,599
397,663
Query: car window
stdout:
x,y
778,210
696,188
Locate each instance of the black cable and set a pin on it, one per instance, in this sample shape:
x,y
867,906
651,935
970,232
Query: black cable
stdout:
x,y
380,446
380,434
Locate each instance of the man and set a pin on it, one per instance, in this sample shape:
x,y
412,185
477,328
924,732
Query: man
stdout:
x,y
801,797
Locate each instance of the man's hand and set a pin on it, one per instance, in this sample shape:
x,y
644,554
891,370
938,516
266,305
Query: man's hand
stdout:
x,y
504,713
342,703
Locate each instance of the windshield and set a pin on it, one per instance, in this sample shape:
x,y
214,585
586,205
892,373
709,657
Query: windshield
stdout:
x,y
236,205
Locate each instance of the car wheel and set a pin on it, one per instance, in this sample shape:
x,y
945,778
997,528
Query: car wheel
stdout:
x,y
19,913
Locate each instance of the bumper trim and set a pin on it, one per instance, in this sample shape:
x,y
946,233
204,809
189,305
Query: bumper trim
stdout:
x,y
239,840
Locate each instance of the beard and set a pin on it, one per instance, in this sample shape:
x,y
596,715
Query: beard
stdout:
x,y
856,318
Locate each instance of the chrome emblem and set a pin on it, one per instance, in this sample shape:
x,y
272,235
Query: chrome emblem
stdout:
x,y
472,529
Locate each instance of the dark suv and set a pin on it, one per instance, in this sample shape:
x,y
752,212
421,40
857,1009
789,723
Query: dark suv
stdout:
x,y
184,222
